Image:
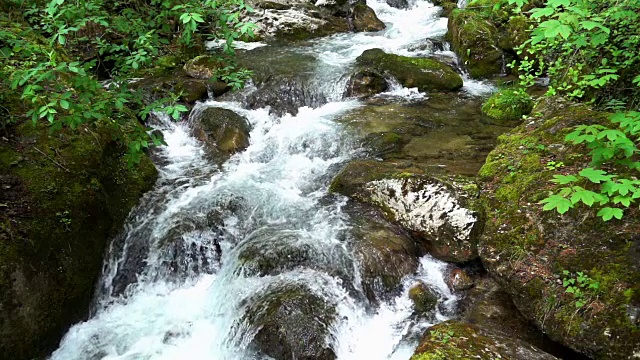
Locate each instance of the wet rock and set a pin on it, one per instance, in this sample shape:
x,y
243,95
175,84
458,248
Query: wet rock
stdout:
x,y
299,20
291,323
398,4
474,38
365,19
429,208
424,298
272,251
366,83
526,250
456,340
458,280
203,67
221,129
423,73
385,252
428,45
285,95
192,90
508,105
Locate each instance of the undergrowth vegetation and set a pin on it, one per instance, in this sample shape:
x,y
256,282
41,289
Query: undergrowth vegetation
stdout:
x,y
56,53
590,51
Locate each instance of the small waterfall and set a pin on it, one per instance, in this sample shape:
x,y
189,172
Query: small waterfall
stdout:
x,y
209,238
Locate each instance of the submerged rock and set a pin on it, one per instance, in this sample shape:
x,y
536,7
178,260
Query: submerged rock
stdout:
x,y
456,340
285,95
427,207
366,83
424,73
386,254
527,250
291,323
221,129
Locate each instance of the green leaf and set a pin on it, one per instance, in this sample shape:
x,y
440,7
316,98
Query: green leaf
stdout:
x,y
564,179
557,202
64,104
609,213
595,176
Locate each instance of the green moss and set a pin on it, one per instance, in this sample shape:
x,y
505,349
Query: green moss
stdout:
x,y
508,105
425,74
474,38
70,191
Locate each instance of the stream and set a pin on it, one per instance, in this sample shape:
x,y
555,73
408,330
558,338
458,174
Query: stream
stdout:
x,y
178,283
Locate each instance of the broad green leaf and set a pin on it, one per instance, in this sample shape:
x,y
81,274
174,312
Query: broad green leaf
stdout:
x,y
557,202
595,176
564,179
609,213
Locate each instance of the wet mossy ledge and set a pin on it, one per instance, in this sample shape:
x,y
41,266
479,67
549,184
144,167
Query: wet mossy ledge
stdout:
x,y
508,105
528,250
63,196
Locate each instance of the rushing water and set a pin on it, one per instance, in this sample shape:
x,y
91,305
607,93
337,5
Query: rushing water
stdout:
x,y
174,285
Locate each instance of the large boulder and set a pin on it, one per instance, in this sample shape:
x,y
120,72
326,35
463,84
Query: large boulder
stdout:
x,y
531,252
474,37
62,197
222,130
457,340
291,322
423,73
433,210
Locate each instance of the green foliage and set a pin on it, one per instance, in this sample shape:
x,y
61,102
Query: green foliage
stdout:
x,y
611,192
581,286
508,104
591,52
441,336
53,60
587,48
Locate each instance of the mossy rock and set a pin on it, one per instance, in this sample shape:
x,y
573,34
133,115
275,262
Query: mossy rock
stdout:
x,y
365,83
203,67
508,105
526,249
514,34
365,19
457,340
423,297
424,73
474,38
64,195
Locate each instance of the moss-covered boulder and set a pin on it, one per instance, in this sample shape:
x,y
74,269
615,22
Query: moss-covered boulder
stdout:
x,y
457,340
62,197
222,130
474,38
424,73
365,19
290,322
528,250
508,105
433,210
203,67
423,297
446,5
